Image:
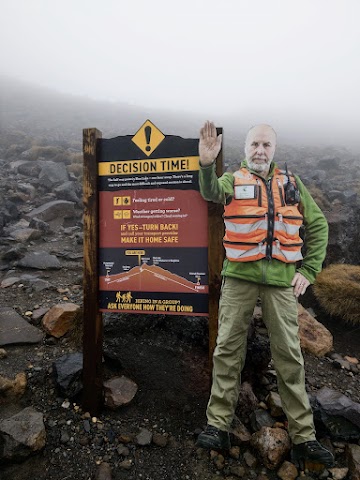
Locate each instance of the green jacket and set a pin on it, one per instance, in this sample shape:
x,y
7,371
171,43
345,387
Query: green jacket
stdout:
x,y
273,272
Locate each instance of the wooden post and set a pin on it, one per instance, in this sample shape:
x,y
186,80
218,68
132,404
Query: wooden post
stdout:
x,y
93,327
216,257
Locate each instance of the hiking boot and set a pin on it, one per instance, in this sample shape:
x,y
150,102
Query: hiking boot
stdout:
x,y
213,438
312,452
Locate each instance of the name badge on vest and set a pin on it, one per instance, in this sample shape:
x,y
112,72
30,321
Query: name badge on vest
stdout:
x,y
245,191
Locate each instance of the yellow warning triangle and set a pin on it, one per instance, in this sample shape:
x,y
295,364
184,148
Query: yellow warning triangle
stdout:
x,y
148,137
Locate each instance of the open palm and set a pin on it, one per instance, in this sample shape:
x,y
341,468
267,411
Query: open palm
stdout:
x,y
209,144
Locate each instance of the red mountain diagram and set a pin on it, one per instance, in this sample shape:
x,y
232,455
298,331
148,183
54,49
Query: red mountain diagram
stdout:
x,y
150,278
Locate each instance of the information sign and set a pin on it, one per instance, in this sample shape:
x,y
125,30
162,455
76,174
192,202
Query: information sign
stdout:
x,y
153,232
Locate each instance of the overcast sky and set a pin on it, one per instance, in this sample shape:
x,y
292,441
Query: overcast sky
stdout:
x,y
265,60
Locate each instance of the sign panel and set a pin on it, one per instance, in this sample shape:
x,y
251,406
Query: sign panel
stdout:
x,y
153,225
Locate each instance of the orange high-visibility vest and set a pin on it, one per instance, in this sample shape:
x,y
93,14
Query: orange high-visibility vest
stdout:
x,y
258,223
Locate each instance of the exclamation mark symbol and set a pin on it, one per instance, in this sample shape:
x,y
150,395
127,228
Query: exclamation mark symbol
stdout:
x,y
147,136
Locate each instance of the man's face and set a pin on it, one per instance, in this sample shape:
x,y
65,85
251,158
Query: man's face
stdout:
x,y
260,148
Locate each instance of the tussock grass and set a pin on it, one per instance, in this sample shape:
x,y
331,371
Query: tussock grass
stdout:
x,y
337,289
47,152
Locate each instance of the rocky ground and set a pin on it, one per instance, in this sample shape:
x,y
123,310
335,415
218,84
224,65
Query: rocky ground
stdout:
x,y
153,437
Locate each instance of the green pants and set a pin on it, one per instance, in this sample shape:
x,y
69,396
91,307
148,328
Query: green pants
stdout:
x,y
279,308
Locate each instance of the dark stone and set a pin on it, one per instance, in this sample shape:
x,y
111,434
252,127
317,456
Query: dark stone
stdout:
x,y
67,191
261,418
40,260
9,211
21,435
15,330
335,403
14,253
39,225
68,373
247,401
29,169
53,210
335,426
87,426
53,174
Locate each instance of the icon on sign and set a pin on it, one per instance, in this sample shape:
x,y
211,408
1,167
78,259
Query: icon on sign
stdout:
x,y
126,214
117,201
118,214
126,201
148,137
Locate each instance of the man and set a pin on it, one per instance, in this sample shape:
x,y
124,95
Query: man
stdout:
x,y
264,208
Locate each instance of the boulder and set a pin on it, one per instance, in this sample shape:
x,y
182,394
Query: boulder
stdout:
x,y
67,191
53,174
336,427
15,330
247,401
260,418
58,320
272,444
239,434
119,391
21,435
53,210
335,403
68,373
314,337
40,261
23,235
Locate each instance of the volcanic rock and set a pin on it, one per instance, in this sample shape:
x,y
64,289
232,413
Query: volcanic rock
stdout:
x,y
53,174
14,329
40,260
239,434
58,320
68,373
103,472
52,210
287,471
24,235
274,402
67,191
260,418
22,435
335,403
273,444
247,401
314,337
119,391
353,460
143,438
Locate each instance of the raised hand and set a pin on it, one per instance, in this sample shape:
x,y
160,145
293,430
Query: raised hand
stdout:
x,y
209,144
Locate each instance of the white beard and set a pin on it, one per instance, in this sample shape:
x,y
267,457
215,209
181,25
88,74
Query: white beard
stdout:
x,y
259,167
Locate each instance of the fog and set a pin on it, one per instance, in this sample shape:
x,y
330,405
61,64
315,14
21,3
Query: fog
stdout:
x,y
293,64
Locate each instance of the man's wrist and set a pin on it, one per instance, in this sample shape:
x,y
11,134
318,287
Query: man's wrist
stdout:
x,y
205,164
